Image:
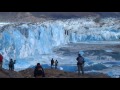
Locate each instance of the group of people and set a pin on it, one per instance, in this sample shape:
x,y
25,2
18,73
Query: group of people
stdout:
x,y
39,71
54,63
80,64
10,65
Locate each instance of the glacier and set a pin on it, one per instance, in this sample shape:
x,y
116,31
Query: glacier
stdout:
x,y
29,43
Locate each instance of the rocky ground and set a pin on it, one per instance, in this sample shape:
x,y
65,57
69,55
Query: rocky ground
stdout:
x,y
50,73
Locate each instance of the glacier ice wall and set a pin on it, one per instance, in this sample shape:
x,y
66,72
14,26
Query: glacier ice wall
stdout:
x,y
29,39
23,40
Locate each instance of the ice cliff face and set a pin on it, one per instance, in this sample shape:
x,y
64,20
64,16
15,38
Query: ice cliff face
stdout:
x,y
32,39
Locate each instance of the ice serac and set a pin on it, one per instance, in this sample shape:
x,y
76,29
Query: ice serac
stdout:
x,y
30,40
25,40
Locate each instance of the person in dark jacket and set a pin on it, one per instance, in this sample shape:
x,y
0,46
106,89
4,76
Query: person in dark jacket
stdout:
x,y
39,71
80,64
11,64
1,61
52,63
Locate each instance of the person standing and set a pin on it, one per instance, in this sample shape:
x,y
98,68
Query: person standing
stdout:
x,y
1,61
80,64
56,64
52,63
11,64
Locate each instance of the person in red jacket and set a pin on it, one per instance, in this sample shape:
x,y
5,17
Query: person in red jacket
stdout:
x,y
1,61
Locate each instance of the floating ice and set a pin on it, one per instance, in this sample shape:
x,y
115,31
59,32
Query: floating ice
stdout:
x,y
60,68
108,50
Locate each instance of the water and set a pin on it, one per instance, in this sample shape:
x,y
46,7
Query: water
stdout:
x,y
100,57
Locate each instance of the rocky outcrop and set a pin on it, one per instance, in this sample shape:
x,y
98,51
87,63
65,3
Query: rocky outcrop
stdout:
x,y
49,73
10,74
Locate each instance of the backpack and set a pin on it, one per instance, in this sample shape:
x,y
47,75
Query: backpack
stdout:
x,y
80,60
11,63
39,70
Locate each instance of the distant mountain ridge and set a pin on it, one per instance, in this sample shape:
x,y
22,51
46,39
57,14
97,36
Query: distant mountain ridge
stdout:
x,y
38,16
